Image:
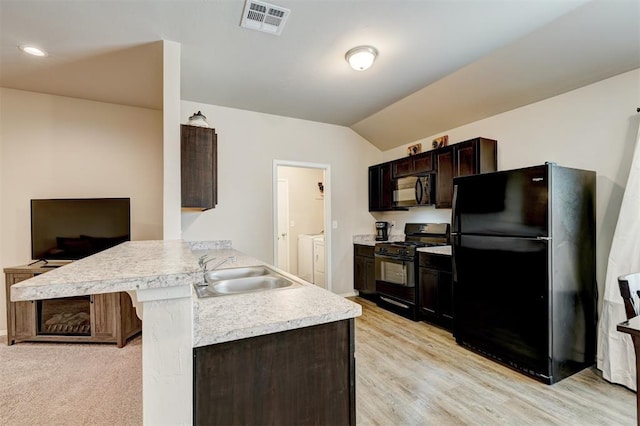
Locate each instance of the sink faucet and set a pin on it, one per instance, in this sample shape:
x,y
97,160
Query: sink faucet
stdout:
x,y
204,261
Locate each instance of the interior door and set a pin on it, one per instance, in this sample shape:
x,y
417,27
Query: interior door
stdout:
x,y
283,225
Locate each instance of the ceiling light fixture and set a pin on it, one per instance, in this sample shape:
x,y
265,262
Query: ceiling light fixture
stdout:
x,y
361,58
31,50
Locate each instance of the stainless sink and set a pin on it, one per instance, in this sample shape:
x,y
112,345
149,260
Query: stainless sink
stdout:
x,y
232,273
224,282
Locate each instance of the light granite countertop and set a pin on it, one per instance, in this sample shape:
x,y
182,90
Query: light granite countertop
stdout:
x,y
134,265
370,240
140,265
227,318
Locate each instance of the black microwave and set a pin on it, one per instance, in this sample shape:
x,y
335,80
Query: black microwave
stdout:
x,y
415,191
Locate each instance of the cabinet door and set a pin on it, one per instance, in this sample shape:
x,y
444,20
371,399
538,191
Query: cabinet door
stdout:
x,y
428,302
370,275
374,188
364,275
465,159
21,315
380,187
359,277
445,299
198,158
444,178
386,187
106,311
402,168
423,163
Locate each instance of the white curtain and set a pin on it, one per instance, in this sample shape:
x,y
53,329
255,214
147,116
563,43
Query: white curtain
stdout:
x,y
616,357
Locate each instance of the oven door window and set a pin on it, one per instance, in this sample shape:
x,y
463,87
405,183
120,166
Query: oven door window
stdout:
x,y
393,271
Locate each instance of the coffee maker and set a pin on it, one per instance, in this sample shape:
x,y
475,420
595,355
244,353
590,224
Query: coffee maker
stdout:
x,y
382,231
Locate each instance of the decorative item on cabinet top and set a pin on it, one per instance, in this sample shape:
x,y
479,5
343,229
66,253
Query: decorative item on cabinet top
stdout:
x,y
414,149
441,142
198,119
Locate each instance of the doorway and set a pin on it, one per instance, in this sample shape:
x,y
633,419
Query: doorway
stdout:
x,y
301,232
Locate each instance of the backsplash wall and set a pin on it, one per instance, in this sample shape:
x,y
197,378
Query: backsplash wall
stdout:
x,y
414,215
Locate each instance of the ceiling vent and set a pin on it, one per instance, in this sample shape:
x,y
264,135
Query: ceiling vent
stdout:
x,y
265,17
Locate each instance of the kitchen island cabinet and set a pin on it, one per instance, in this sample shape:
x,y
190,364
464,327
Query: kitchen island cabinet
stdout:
x,y
159,276
301,376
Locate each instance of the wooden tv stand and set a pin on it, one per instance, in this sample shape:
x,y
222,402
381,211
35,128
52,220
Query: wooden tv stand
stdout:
x,y
109,318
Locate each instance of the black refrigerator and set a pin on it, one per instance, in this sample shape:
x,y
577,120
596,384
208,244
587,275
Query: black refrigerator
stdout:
x,y
524,274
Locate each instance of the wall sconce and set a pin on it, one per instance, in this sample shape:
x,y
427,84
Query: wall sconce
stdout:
x,y
361,58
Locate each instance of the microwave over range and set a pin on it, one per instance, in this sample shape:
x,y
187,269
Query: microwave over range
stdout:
x,y
415,191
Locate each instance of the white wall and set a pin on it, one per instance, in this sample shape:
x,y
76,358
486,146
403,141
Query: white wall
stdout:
x,y
591,128
171,140
58,147
306,206
248,143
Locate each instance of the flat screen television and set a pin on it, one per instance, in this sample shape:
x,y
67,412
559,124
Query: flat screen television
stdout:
x,y
70,229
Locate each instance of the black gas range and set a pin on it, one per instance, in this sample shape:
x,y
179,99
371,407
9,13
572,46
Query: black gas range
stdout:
x,y
396,265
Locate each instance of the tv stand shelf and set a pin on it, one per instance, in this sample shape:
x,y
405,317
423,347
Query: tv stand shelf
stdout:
x,y
98,318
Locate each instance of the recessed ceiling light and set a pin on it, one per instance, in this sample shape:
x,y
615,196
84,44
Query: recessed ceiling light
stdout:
x,y
31,50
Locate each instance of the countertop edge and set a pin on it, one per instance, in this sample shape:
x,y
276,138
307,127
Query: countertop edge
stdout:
x,y
277,327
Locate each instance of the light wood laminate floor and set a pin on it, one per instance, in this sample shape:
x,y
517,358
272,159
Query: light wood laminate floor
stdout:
x,y
412,373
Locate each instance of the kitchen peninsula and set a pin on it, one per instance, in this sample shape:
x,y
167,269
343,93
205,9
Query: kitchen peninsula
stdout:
x,y
181,333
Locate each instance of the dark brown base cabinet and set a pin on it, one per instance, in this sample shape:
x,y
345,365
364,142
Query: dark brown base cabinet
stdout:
x,y
304,376
364,270
435,295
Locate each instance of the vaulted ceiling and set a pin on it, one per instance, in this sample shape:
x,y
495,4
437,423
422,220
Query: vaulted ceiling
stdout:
x,y
441,64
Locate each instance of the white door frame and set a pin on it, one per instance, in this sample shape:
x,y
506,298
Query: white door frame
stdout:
x,y
287,238
327,211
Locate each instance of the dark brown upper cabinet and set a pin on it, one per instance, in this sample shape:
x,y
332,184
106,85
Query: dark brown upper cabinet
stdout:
x,y
380,188
414,165
479,155
199,164
475,156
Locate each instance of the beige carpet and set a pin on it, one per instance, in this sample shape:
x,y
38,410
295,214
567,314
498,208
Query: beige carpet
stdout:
x,y
70,384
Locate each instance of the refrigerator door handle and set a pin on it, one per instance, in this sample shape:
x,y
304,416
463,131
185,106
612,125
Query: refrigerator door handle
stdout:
x,y
455,221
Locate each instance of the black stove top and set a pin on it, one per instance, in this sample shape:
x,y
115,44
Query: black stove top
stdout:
x,y
413,243
416,235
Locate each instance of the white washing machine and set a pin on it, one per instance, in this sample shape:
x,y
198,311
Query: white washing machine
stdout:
x,y
305,257
319,262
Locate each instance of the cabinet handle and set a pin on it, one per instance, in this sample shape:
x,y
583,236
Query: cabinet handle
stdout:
x,y
393,302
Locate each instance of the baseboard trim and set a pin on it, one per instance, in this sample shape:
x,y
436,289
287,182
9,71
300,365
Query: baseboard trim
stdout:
x,y
350,294
3,332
